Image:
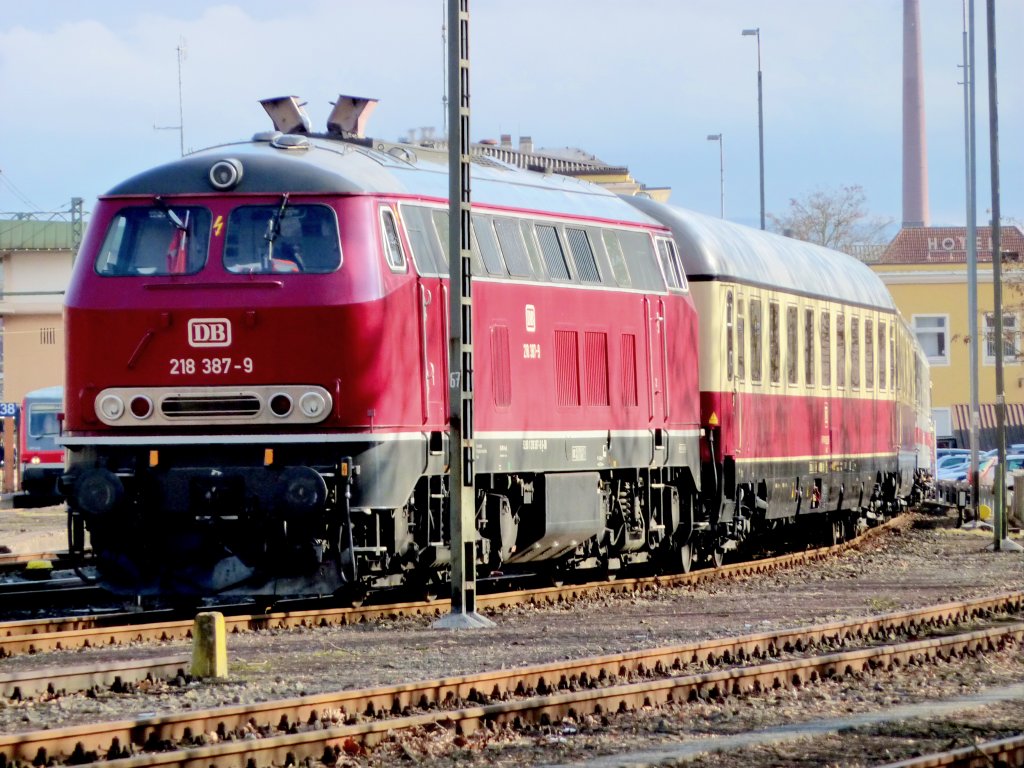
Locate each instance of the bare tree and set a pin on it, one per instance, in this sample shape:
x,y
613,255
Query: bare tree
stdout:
x,y
836,218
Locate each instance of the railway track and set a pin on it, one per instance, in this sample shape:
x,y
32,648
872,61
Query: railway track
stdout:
x,y
286,731
1001,752
13,561
40,635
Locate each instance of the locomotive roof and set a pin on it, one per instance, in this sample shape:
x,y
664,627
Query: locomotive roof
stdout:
x,y
46,393
715,249
335,167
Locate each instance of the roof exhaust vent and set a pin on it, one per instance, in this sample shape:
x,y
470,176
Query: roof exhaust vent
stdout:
x,y
350,115
287,113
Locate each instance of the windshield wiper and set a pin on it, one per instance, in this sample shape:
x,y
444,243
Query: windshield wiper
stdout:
x,y
274,226
175,218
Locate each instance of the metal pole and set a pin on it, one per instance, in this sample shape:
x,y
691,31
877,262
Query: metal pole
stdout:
x,y
972,248
760,123
721,170
181,113
756,32
462,513
999,538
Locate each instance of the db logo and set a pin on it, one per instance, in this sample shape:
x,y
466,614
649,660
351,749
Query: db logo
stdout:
x,y
209,332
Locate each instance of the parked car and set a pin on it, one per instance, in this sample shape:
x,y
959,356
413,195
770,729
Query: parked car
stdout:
x,y
1014,463
952,468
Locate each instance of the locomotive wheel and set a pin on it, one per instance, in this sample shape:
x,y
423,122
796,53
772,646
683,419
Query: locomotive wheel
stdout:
x,y
717,555
684,557
352,595
837,532
432,589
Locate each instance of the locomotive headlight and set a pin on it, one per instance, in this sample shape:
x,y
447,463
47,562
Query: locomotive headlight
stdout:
x,y
312,405
280,404
35,460
225,174
112,407
141,407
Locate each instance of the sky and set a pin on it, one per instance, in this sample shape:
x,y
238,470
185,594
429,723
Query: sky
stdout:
x,y
89,91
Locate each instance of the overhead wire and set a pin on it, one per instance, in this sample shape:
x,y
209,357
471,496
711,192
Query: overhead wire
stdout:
x,y
17,192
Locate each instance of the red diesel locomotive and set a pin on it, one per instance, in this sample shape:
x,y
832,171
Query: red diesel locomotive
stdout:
x,y
257,396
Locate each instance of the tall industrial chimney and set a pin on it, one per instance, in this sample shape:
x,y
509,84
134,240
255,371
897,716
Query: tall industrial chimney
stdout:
x,y
915,156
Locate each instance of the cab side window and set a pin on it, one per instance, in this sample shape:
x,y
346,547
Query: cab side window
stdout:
x,y
393,251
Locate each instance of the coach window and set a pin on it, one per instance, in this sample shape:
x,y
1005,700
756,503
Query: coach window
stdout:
x,y
729,351
741,341
840,350
774,343
792,345
809,347
883,339
755,340
892,358
392,242
855,352
869,355
551,249
160,240
826,348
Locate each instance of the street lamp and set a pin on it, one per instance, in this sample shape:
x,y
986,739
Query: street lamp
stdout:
x,y
760,113
721,167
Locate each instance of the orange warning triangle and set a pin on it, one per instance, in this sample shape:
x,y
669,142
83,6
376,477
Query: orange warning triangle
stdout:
x,y
713,421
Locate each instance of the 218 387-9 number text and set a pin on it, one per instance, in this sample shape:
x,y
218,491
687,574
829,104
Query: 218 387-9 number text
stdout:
x,y
215,366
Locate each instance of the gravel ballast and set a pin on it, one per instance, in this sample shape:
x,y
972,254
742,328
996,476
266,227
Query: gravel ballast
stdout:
x,y
924,562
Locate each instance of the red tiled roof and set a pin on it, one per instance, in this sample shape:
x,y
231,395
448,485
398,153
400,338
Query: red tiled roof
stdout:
x,y
948,245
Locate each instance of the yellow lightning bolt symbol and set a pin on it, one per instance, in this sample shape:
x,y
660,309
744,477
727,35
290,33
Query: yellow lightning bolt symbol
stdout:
x,y
218,225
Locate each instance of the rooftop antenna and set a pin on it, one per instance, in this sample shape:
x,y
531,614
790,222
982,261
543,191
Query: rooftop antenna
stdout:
x,y
180,127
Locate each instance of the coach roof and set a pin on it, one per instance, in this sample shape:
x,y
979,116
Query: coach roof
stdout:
x,y
333,167
715,249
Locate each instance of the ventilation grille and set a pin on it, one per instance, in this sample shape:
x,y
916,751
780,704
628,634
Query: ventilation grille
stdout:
x,y
501,383
596,360
210,406
629,390
567,371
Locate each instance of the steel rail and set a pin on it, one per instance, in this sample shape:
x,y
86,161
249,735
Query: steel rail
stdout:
x,y
23,685
35,636
12,560
540,679
1001,752
292,746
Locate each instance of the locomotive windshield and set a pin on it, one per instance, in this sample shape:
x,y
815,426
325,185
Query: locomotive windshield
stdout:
x,y
43,426
155,240
286,237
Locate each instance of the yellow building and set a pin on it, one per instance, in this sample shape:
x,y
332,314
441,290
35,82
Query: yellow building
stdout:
x,y
925,269
35,268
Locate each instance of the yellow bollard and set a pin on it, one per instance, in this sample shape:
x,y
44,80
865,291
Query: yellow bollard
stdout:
x,y
209,645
